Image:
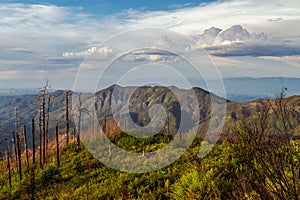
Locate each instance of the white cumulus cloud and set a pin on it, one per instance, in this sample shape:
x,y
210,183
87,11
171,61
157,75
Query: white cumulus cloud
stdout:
x,y
238,41
103,52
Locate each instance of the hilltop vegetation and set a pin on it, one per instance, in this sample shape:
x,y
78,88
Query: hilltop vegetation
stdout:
x,y
230,171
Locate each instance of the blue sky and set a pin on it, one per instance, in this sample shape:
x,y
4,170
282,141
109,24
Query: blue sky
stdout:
x,y
52,39
100,7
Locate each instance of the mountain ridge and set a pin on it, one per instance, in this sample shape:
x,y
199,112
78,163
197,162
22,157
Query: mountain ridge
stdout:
x,y
143,98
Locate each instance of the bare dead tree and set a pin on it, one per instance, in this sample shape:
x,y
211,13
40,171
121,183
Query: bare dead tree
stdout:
x,y
16,130
43,98
19,156
47,121
43,94
32,182
32,169
8,165
42,120
33,140
67,95
40,136
15,145
57,146
16,119
79,109
25,146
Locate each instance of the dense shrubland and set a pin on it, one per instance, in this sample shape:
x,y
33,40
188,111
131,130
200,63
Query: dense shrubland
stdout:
x,y
258,158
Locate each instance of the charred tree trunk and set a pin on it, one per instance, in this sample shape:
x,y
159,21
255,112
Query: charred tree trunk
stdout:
x,y
47,122
78,132
25,146
44,125
32,182
16,120
57,146
33,141
8,166
19,157
15,145
67,116
16,132
32,169
79,122
40,137
43,113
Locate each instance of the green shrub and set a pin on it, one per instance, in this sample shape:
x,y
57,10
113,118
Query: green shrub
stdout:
x,y
51,174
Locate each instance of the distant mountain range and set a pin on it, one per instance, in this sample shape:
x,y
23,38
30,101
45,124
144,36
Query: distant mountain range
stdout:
x,y
242,89
7,92
144,97
140,103
248,89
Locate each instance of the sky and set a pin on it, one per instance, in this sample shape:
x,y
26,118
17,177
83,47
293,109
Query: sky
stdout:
x,y
68,40
100,7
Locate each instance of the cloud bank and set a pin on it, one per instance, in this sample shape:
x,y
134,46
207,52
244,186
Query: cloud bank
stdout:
x,y
237,41
44,39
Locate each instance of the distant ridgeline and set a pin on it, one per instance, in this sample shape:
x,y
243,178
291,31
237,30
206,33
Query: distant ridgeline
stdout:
x,y
248,89
140,103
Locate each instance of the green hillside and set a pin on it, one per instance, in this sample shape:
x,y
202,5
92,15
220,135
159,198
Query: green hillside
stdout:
x,y
257,156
